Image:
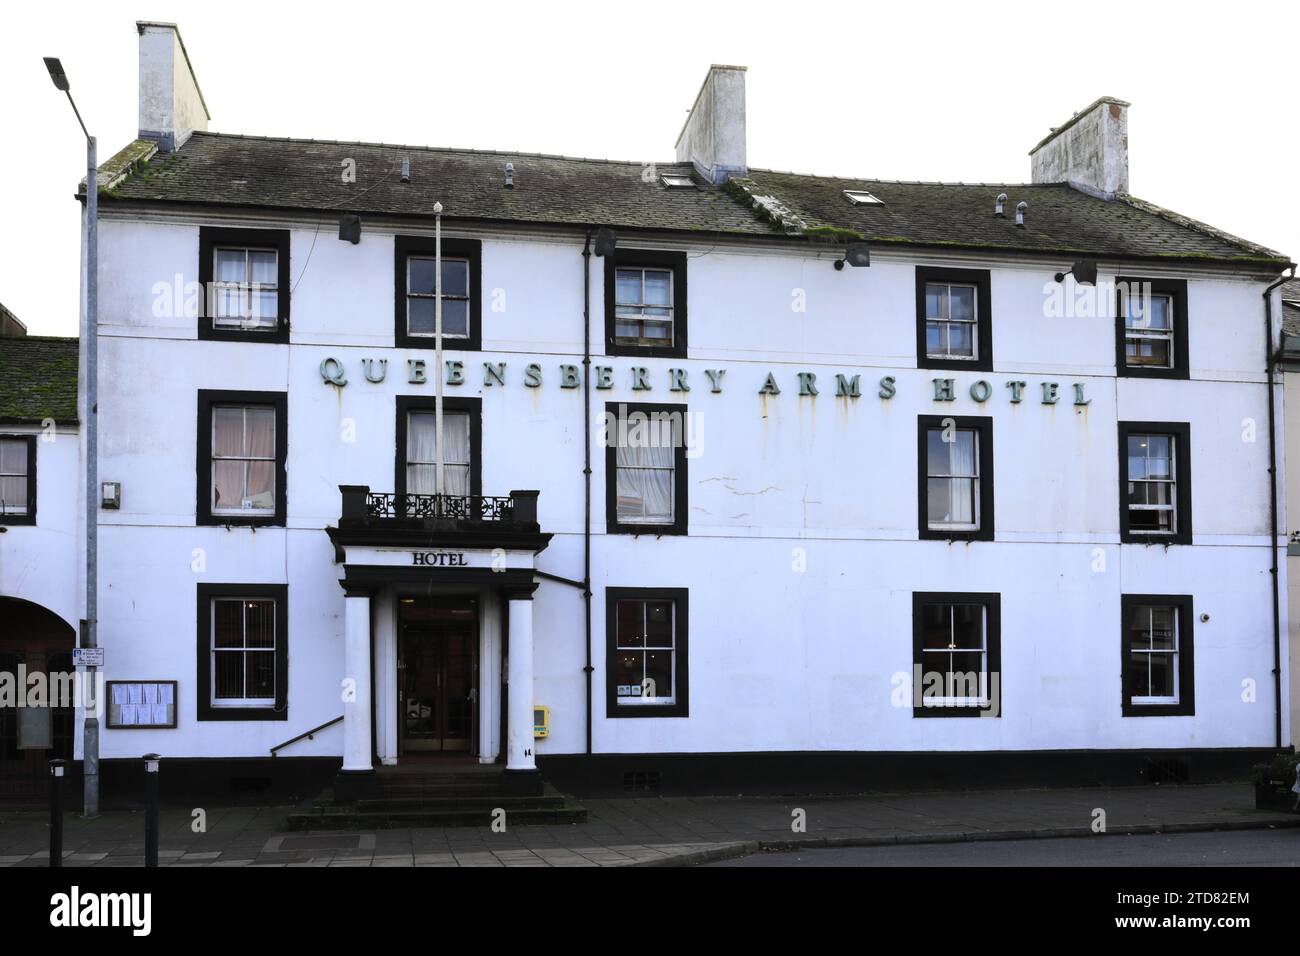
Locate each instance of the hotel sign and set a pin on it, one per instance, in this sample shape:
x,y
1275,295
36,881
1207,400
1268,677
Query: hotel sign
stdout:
x,y
439,559
494,559
334,372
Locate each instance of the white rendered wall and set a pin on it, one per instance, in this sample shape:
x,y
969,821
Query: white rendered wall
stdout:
x,y
779,659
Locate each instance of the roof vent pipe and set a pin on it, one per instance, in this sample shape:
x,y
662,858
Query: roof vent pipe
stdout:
x,y
1022,207
510,175
406,170
998,209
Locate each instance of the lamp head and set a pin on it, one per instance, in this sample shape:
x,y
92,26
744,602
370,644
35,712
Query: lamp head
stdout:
x,y
56,74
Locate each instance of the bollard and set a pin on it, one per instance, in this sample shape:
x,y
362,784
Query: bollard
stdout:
x,y
151,809
56,811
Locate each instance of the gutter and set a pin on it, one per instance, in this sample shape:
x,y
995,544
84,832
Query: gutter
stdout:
x,y
1274,570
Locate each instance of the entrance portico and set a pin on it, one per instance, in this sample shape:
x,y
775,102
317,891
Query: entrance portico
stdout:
x,y
438,602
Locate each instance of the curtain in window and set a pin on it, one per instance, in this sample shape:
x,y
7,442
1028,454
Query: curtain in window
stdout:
x,y
421,452
645,483
260,439
963,463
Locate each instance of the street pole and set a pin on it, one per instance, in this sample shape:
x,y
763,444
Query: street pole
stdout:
x,y
438,486
90,340
90,746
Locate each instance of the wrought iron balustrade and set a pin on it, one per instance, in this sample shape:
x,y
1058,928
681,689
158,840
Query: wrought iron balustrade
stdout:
x,y
451,507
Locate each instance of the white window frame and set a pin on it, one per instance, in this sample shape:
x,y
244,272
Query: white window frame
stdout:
x,y
1149,652
1143,332
952,648
636,311
643,649
213,651
1171,481
446,297
974,479
946,323
246,459
8,509
247,290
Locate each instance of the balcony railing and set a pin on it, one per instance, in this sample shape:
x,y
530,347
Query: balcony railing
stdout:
x,y
361,506
459,507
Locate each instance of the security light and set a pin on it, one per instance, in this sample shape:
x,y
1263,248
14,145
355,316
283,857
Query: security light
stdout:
x,y
350,229
1084,271
856,254
606,242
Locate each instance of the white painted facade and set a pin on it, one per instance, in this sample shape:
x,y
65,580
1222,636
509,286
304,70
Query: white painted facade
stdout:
x,y
44,562
779,659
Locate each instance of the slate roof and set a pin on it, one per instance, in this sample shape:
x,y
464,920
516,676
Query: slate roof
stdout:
x,y
38,379
305,175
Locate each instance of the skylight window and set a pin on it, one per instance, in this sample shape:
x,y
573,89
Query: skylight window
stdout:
x,y
860,197
678,181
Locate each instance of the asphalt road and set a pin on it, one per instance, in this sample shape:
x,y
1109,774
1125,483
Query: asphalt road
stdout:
x,y
1227,848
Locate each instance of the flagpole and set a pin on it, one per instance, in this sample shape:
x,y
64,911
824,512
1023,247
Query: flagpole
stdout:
x,y
439,487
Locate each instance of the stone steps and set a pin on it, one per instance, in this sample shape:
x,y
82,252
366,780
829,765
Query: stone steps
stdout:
x,y
432,797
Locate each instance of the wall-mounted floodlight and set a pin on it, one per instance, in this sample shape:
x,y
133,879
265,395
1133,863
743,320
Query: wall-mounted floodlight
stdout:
x,y
606,242
856,254
350,229
1084,271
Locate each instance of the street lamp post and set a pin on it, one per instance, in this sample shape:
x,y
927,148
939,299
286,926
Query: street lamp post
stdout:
x,y
90,749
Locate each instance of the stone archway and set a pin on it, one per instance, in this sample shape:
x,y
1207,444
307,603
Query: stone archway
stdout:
x,y
33,640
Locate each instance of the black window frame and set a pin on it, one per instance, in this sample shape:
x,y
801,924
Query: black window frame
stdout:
x,y
680,523
420,403
207,398
992,603
30,517
1186,706
648,259
205,709
210,237
983,425
471,249
681,645
980,278
1182,435
1176,289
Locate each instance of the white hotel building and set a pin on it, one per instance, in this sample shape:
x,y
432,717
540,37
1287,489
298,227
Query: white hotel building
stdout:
x,y
937,518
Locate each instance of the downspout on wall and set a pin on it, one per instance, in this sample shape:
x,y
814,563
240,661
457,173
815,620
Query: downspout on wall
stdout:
x,y
586,466
1274,571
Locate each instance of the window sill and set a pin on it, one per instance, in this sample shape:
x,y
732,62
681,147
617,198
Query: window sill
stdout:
x,y
655,530
647,710
211,712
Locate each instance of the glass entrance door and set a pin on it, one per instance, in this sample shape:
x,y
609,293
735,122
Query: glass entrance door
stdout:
x,y
437,675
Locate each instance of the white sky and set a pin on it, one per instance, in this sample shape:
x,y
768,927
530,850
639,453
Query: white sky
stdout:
x,y
932,91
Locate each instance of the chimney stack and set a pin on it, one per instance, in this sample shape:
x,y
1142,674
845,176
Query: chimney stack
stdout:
x,y
171,103
1090,152
713,138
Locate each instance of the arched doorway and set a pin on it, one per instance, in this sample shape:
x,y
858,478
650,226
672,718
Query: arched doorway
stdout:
x,y
33,640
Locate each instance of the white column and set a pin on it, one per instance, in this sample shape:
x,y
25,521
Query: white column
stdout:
x,y
519,718
356,705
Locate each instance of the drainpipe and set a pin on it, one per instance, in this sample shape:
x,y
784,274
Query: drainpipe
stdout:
x,y
586,464
1272,507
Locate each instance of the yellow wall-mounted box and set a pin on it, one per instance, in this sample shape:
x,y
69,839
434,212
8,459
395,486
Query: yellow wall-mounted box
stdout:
x,y
541,722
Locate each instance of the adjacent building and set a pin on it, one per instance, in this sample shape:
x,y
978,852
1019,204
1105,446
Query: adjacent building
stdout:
x,y
750,479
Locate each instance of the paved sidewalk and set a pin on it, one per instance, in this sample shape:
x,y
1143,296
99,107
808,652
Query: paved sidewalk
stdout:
x,y
644,831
